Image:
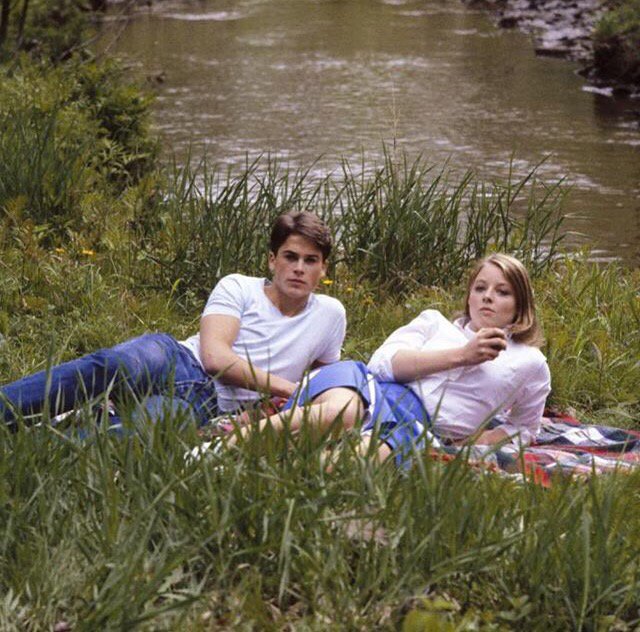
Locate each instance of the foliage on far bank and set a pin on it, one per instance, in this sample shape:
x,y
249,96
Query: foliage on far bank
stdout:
x,y
617,42
51,30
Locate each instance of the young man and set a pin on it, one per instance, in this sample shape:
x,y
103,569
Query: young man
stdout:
x,y
256,337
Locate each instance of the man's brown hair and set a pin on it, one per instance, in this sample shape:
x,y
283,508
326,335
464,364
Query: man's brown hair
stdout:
x,y
306,225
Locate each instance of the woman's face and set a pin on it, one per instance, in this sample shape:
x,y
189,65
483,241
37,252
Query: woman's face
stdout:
x,y
492,300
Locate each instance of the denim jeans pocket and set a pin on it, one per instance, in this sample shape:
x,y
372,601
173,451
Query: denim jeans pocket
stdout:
x,y
201,394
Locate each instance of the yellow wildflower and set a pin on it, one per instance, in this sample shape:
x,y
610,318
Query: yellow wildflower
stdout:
x,y
60,251
327,281
89,253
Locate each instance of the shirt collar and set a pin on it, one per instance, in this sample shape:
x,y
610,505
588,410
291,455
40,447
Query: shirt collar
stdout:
x,y
464,325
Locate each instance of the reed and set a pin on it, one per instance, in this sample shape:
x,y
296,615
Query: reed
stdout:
x,y
405,225
592,329
41,178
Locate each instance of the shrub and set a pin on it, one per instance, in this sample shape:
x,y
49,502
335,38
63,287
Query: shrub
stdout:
x,y
617,42
50,30
45,151
126,150
69,138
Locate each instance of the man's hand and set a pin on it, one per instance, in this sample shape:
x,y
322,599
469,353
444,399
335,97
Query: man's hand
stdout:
x,y
279,387
491,437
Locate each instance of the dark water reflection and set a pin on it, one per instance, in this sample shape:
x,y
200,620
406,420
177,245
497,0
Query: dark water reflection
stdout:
x,y
337,78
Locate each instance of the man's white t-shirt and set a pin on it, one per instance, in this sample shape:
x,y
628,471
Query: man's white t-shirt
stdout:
x,y
282,345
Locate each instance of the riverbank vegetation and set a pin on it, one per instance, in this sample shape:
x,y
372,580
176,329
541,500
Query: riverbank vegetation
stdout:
x,y
602,35
53,31
617,42
100,242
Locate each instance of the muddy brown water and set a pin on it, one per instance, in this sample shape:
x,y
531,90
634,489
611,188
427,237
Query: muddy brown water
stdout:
x,y
338,78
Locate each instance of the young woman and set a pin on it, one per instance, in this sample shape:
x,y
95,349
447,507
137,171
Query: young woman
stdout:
x,y
453,377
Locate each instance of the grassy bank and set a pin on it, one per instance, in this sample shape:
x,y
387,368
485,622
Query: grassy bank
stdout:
x,y
118,534
99,243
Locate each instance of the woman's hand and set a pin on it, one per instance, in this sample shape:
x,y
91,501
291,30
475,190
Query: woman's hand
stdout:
x,y
486,345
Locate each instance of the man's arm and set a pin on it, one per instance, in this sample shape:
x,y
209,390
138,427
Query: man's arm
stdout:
x,y
218,332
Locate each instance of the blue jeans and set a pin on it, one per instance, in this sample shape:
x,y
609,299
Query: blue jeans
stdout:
x,y
395,412
152,367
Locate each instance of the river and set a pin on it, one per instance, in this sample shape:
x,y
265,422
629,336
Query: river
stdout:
x,y
339,78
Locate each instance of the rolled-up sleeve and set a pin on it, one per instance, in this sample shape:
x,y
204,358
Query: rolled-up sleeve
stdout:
x,y
411,336
524,419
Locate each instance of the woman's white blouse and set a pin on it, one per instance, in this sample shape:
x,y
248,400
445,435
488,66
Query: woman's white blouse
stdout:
x,y
513,386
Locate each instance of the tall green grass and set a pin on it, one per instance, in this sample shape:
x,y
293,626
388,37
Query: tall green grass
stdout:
x,y
126,534
593,336
405,225
111,533
72,141
42,177
119,534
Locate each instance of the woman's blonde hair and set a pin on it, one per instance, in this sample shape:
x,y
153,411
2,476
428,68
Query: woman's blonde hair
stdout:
x,y
525,326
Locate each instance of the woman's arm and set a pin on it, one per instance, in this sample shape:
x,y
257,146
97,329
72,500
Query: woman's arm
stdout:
x,y
403,357
411,364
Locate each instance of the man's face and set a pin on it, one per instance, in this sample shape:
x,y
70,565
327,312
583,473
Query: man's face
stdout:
x,y
297,267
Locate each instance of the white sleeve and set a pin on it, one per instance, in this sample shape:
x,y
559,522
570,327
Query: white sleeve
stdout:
x,y
410,336
524,418
227,297
333,348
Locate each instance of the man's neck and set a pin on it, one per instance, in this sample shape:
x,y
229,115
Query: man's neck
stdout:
x,y
286,306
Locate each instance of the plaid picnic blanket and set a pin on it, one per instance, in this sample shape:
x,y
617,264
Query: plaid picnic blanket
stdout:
x,y
563,446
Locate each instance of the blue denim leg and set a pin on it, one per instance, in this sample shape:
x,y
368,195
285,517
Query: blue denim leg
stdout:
x,y
152,409
190,384
148,364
